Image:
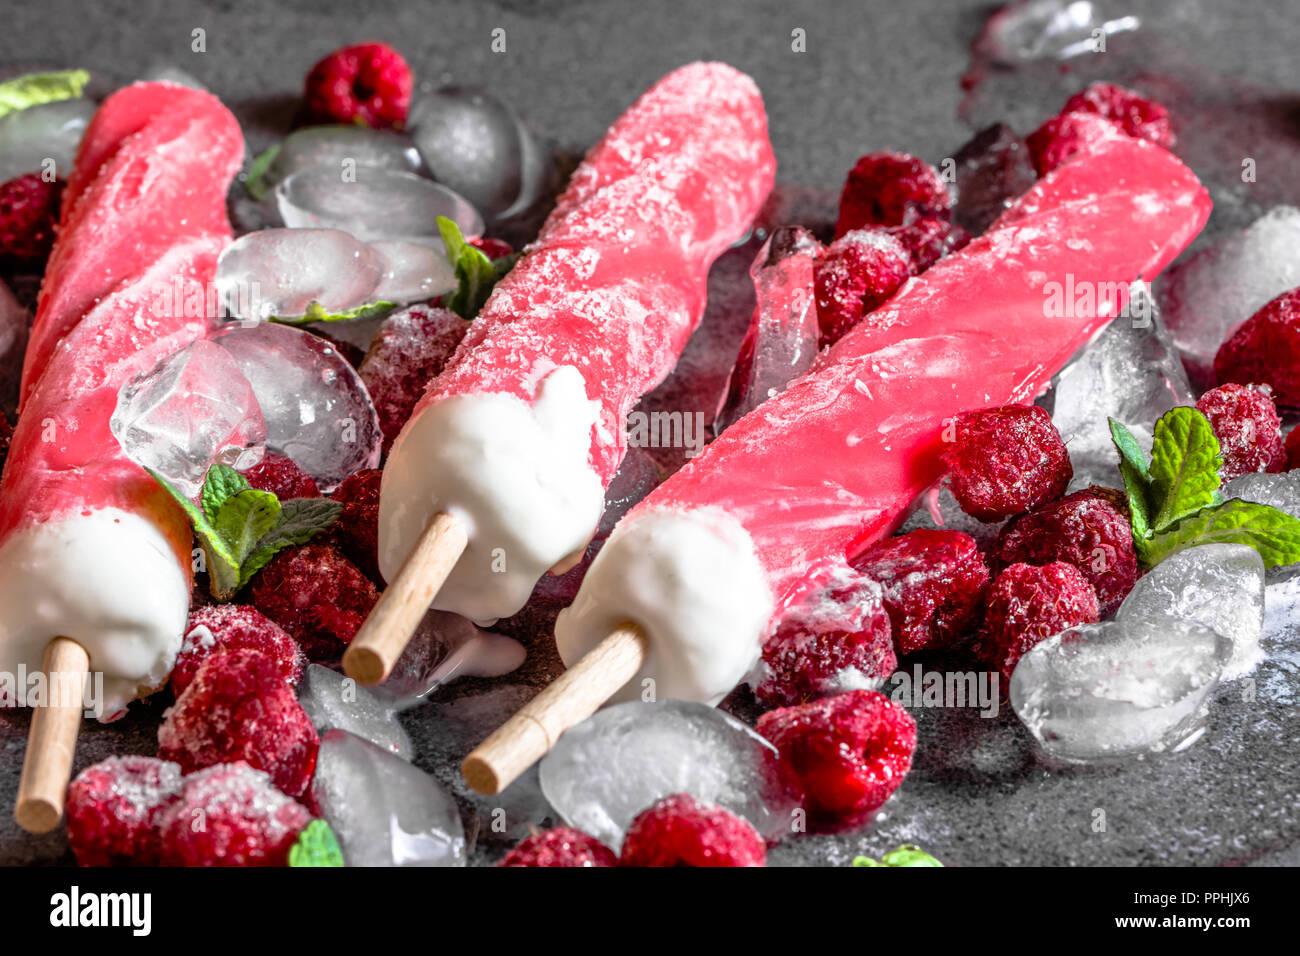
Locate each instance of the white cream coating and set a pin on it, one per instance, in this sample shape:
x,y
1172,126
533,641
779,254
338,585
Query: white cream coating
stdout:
x,y
108,580
517,475
693,582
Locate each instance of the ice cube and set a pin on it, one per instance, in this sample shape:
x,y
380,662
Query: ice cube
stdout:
x,y
1218,585
15,321
335,702
610,767
1207,295
1047,29
446,647
341,149
372,203
33,138
1130,372
1101,692
279,272
413,271
193,409
1279,491
317,410
478,146
992,170
384,811
166,73
782,338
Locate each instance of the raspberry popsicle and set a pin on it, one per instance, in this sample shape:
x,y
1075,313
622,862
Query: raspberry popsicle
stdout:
x,y
500,473
707,564
94,556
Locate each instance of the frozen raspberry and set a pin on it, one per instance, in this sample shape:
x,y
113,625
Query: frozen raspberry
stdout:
x,y
113,809
1028,604
230,815
848,753
492,248
317,595
836,642
1004,461
562,846
934,585
890,189
856,274
1061,137
1265,350
930,239
281,476
1136,115
1089,529
368,84
229,627
681,831
356,532
1245,421
410,348
238,707
29,208
1293,449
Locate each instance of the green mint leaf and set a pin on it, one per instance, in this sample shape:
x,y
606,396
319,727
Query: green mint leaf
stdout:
x,y
301,519
222,482
1273,533
1134,469
34,89
223,566
905,855
476,273
245,518
1184,466
317,313
316,846
255,182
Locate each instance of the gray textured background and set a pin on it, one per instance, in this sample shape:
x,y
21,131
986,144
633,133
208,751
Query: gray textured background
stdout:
x,y
876,75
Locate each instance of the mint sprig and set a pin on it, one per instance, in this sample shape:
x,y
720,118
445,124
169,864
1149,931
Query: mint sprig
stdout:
x,y
905,855
241,528
476,274
318,313
36,89
316,846
255,182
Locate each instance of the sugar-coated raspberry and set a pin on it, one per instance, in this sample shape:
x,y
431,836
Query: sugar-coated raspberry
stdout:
x,y
854,275
230,815
1293,449
934,583
1064,136
1265,350
1246,422
356,532
682,831
563,846
368,84
29,209
238,707
890,189
929,239
280,475
113,808
1089,529
847,753
317,595
1004,461
214,628
492,248
410,348
1136,115
840,640
1028,604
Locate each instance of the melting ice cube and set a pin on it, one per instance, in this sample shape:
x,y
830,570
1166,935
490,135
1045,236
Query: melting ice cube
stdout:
x,y
446,647
167,73
1048,29
413,271
336,702
32,138
1279,491
341,149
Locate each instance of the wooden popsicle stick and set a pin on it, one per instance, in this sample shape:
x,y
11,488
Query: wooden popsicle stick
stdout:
x,y
52,738
527,736
397,613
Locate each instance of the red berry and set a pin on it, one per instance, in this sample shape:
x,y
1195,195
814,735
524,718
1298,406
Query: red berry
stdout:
x,y
215,628
1004,461
29,209
113,809
317,595
6,435
1089,529
854,275
239,708
934,585
1136,115
563,846
1246,423
410,348
847,753
1064,136
929,239
1265,350
281,476
230,815
1029,604
492,248
356,532
1293,449
368,84
681,831
890,189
